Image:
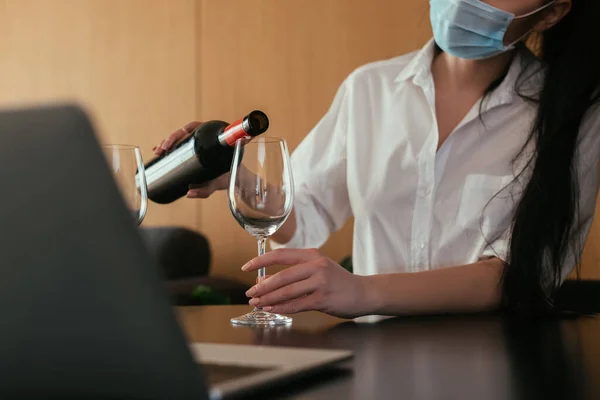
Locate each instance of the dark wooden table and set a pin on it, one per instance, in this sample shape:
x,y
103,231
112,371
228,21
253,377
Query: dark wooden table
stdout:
x,y
489,357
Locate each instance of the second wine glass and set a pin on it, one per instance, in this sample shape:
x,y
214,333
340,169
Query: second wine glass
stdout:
x,y
128,170
261,197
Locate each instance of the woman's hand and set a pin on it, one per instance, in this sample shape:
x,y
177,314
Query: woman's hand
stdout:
x,y
204,190
312,282
196,191
168,142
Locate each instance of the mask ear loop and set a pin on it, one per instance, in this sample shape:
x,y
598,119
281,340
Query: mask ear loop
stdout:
x,y
536,11
512,45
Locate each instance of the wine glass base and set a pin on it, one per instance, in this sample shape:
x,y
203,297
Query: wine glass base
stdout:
x,y
261,318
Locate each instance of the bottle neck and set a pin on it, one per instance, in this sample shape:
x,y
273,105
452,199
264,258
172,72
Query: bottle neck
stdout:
x,y
234,132
250,126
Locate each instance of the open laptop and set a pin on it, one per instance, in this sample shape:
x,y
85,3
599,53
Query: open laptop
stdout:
x,y
83,308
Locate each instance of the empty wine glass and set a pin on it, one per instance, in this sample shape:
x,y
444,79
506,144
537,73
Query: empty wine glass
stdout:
x,y
261,197
128,168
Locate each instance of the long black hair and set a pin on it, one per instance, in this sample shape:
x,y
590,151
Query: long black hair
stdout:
x,y
547,213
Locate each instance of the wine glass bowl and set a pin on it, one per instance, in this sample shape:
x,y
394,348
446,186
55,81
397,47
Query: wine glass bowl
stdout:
x,y
125,161
261,198
260,192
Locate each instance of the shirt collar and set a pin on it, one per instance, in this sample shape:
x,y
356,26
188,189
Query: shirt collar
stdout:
x,y
419,70
506,93
420,66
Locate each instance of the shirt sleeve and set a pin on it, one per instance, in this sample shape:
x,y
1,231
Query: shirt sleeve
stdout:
x,y
588,174
321,202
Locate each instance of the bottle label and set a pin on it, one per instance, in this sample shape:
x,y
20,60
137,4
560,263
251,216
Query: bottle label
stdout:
x,y
181,161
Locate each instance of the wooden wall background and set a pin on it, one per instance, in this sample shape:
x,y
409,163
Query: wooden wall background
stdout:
x,y
132,63
146,67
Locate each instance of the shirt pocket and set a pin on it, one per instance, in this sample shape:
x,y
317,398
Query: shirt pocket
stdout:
x,y
486,204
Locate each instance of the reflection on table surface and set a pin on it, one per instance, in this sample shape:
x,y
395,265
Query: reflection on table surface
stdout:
x,y
449,357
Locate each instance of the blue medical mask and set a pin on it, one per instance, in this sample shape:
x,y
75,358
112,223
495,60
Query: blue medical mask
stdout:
x,y
472,29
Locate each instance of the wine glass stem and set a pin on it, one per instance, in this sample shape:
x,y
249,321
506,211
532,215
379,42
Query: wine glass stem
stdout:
x,y
262,244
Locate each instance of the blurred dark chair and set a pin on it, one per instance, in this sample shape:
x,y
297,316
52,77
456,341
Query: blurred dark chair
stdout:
x,y
181,253
184,257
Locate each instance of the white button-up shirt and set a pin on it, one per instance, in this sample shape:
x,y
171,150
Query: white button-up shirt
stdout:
x,y
374,156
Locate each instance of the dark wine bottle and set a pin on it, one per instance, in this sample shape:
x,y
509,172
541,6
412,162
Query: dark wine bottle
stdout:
x,y
202,156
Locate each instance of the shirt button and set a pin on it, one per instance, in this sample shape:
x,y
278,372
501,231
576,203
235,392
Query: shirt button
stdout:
x,y
422,245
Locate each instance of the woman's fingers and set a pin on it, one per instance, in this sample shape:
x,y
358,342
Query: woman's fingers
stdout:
x,y
281,257
265,277
173,138
166,144
201,191
306,303
158,150
279,280
191,126
284,294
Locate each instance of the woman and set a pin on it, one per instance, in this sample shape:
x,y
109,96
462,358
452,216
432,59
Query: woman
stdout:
x,y
470,168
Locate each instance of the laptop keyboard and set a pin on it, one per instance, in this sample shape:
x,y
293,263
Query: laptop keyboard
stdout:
x,y
218,373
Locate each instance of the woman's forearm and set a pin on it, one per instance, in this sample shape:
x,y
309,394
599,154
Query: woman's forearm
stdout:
x,y
468,288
